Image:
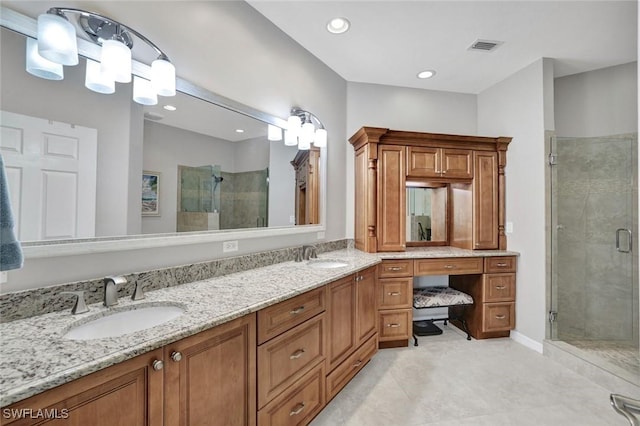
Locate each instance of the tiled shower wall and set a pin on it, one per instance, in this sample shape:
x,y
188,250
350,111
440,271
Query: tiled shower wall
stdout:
x,y
594,192
243,199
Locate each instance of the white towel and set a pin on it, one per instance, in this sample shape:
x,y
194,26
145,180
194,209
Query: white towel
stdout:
x,y
10,249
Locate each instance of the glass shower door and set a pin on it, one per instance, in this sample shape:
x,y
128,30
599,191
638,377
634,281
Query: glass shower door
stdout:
x,y
593,228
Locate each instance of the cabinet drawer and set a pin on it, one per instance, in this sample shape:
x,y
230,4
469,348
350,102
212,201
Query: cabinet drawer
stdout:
x,y
499,264
298,404
285,315
284,359
499,287
395,268
394,324
498,316
395,293
339,377
449,266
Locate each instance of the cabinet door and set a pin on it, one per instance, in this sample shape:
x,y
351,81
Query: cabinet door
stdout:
x,y
457,163
341,302
210,378
485,200
366,312
365,202
391,198
423,161
126,394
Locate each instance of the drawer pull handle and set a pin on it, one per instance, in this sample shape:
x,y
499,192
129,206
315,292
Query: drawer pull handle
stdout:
x,y
357,364
501,265
395,268
394,293
500,287
503,316
297,409
393,325
297,354
449,266
297,310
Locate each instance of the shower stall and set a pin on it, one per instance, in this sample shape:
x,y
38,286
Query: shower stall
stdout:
x,y
594,256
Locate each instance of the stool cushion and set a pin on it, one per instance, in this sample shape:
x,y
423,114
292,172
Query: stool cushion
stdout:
x,y
433,297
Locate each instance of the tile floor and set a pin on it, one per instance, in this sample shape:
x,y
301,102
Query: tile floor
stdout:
x,y
449,381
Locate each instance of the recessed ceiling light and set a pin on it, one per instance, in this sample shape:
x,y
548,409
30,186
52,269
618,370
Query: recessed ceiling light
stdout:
x,y
169,107
426,74
239,131
338,25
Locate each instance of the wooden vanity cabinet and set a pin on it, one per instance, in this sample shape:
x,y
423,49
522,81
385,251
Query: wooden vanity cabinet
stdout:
x,y
395,298
472,166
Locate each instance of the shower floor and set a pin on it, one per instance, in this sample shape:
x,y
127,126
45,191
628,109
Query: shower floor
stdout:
x,y
621,358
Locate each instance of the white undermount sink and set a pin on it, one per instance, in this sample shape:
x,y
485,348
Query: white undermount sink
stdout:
x,y
327,263
124,322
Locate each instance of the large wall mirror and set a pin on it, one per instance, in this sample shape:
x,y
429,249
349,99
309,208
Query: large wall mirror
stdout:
x,y
102,166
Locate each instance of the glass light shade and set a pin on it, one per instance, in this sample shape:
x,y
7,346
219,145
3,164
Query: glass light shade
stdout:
x,y
143,92
290,139
274,133
293,125
306,136
96,80
116,61
39,66
163,77
57,39
320,138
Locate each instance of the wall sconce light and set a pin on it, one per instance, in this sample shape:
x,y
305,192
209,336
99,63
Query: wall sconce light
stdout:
x,y
57,44
303,129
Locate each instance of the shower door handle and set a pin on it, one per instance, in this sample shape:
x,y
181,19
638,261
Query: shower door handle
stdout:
x,y
629,245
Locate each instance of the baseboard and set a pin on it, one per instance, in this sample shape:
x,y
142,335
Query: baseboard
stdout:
x,y
526,341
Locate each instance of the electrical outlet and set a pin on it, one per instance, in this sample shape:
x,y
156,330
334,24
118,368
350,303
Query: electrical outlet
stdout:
x,y
229,246
292,220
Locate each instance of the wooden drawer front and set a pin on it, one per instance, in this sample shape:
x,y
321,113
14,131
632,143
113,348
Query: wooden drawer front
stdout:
x,y
423,161
394,324
499,287
286,358
395,293
395,268
449,266
285,315
339,377
498,316
457,163
499,264
298,404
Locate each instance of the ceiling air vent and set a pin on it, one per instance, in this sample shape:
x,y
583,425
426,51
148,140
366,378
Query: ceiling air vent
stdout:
x,y
485,45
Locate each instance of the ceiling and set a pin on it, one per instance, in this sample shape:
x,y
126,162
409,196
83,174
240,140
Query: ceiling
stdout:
x,y
389,42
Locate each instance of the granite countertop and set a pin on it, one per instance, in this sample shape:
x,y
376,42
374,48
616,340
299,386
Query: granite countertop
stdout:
x,y
35,357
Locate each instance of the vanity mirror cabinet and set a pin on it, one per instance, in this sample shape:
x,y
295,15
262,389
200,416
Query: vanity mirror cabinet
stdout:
x,y
425,189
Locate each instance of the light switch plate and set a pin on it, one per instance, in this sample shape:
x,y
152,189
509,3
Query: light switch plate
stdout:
x,y
508,228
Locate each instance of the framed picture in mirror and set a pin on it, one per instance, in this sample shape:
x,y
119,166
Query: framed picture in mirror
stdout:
x,y
150,193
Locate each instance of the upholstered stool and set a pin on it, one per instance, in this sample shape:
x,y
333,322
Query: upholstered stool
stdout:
x,y
438,297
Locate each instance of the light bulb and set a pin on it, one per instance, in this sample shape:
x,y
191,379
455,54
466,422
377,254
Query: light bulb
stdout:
x,y
320,138
306,136
290,139
293,124
96,80
274,133
39,66
57,39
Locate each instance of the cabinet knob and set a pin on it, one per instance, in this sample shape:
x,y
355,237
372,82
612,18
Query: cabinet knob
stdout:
x,y
176,356
297,409
157,365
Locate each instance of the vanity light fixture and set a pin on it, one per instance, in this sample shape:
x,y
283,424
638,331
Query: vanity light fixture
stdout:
x,y
303,129
42,67
274,133
426,74
57,43
338,25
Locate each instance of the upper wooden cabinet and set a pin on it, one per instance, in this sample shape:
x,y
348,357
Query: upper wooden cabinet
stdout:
x,y
307,166
432,162
471,167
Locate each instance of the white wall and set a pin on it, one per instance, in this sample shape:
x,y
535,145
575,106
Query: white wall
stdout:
x,y
598,103
247,59
516,107
401,108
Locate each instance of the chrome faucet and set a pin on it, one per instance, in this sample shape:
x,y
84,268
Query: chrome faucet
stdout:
x,y
111,291
309,252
